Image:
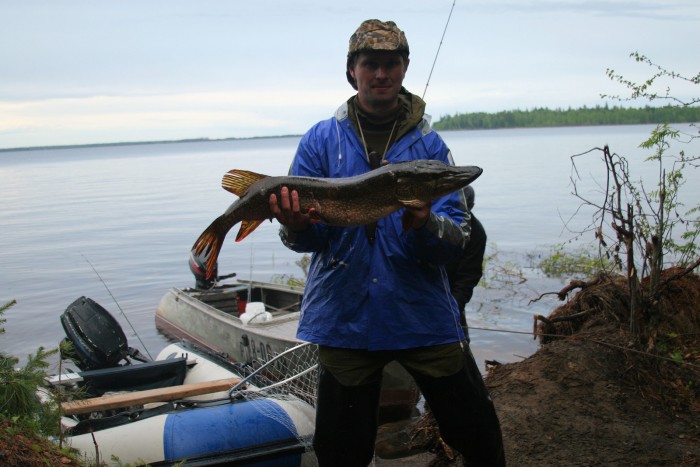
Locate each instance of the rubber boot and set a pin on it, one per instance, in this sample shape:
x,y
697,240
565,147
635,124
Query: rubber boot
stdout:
x,y
346,422
465,414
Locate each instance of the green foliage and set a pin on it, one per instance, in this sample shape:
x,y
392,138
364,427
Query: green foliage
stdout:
x,y
18,387
292,280
585,116
3,308
579,263
659,211
655,87
500,274
304,262
636,227
287,279
668,344
659,230
16,439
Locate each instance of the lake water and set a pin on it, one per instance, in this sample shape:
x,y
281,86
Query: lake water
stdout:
x,y
134,212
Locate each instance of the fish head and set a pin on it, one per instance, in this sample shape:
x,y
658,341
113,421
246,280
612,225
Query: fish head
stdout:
x,y
427,180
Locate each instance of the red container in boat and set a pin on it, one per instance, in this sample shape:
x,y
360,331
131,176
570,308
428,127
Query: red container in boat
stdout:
x,y
241,306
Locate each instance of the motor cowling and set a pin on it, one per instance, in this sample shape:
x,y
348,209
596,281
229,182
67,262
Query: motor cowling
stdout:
x,y
199,270
98,340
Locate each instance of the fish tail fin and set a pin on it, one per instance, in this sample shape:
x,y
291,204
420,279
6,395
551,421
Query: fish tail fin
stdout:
x,y
247,228
208,245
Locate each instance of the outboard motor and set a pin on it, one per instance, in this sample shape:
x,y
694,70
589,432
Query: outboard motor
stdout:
x,y
199,269
98,340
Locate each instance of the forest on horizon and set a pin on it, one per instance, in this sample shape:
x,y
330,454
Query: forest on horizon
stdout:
x,y
584,116
538,117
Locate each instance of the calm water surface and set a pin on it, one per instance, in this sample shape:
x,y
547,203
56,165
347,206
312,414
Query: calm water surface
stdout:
x,y
134,212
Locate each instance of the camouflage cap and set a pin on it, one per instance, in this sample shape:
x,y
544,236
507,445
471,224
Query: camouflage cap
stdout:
x,y
377,35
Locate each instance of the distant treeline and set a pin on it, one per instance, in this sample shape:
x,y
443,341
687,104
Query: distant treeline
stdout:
x,y
570,117
136,143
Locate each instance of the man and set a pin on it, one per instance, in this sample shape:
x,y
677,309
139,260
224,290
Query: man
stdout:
x,y
465,271
375,294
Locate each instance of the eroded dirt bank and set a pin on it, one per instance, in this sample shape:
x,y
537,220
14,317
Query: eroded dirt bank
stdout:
x,y
592,397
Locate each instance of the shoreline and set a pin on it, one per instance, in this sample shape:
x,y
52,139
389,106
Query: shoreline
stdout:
x,y
249,138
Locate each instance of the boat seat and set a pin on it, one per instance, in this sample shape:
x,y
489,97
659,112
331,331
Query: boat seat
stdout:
x,y
138,377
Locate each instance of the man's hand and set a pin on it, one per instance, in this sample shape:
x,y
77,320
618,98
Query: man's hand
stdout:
x,y
288,212
415,218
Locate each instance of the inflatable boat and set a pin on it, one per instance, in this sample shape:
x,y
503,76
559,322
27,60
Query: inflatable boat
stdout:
x,y
177,409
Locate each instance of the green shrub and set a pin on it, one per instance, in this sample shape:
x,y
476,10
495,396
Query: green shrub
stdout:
x,y
18,390
579,263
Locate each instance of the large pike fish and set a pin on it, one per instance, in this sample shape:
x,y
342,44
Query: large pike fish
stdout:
x,y
349,201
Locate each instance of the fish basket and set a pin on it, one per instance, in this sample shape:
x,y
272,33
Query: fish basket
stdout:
x,y
292,373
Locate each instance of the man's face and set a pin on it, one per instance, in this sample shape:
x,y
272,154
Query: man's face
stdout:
x,y
379,76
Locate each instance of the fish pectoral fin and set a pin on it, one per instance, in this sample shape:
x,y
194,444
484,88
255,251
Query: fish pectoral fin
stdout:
x,y
247,228
238,181
413,203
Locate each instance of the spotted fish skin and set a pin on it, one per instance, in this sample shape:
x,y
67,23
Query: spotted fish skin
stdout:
x,y
349,201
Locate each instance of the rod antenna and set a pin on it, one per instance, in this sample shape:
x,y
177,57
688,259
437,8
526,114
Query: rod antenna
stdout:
x,y
118,306
438,50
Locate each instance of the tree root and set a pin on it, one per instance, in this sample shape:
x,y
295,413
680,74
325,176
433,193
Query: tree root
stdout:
x,y
573,285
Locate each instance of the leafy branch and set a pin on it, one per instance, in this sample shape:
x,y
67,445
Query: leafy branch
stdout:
x,y
647,89
635,227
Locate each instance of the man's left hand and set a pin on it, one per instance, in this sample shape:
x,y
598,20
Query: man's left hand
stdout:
x,y
415,218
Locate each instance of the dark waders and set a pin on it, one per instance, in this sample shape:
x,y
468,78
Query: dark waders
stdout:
x,y
346,417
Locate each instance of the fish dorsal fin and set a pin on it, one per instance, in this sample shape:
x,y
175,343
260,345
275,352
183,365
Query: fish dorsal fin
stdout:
x,y
238,181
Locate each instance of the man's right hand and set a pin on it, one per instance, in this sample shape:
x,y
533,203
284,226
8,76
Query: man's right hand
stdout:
x,y
288,212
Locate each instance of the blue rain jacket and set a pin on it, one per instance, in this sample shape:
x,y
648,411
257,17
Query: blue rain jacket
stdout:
x,y
393,294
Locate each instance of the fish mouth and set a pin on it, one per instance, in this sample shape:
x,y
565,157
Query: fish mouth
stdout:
x,y
467,173
461,173
454,178
440,173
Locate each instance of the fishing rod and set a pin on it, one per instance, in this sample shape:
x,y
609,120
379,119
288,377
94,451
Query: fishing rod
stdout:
x,y
118,306
438,50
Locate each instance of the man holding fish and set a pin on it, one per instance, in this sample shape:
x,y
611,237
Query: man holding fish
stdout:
x,y
379,292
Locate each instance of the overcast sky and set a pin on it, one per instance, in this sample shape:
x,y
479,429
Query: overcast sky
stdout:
x,y
78,72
